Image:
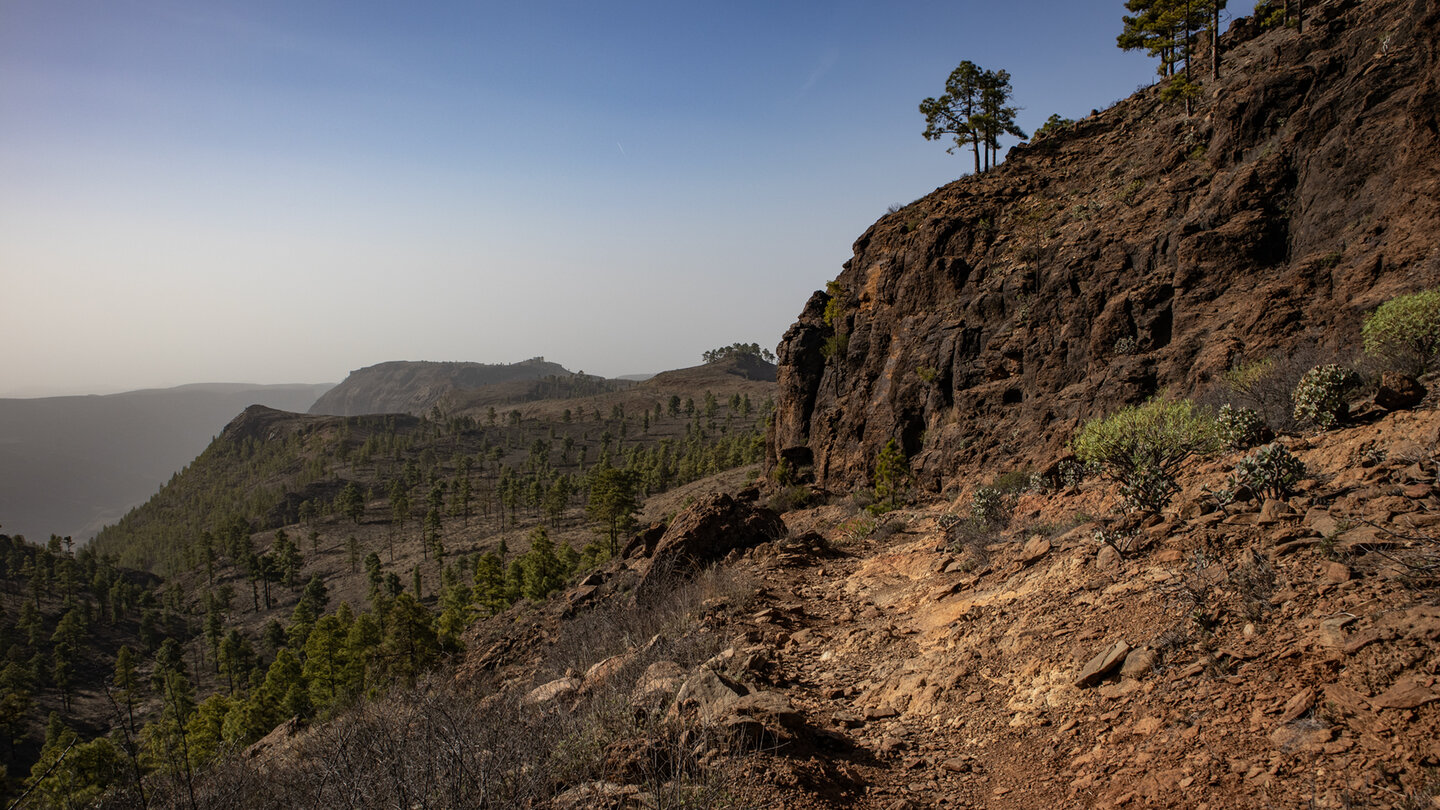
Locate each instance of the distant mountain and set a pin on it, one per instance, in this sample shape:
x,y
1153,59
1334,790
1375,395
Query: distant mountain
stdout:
x,y
69,465
415,387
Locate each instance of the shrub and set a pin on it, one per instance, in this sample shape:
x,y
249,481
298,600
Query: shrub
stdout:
x,y
1267,385
1143,447
789,498
1404,332
1320,398
892,473
1054,124
991,506
1242,428
1270,471
1072,472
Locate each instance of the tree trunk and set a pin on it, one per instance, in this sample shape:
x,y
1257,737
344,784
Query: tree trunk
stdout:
x,y
1215,40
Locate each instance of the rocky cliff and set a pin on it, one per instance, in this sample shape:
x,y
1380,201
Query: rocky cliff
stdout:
x,y
414,387
1140,250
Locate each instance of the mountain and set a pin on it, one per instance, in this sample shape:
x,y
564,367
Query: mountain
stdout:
x,y
274,469
416,386
1140,250
69,465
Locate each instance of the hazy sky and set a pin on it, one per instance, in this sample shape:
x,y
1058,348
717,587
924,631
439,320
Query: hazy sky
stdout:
x,y
257,191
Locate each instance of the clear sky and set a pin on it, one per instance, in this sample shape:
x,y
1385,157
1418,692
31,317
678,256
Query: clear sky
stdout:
x,y
264,191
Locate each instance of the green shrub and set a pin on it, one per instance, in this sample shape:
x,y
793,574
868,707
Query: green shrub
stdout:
x,y
838,304
991,506
1270,471
892,473
1404,332
1242,428
1143,447
1013,482
1321,397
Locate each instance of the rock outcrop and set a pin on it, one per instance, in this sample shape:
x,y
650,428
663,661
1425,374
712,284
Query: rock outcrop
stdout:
x,y
704,533
1140,250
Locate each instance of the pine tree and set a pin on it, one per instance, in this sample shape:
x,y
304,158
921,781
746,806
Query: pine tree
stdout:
x,y
975,109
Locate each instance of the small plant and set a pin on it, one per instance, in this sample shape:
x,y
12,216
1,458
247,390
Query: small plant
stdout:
x,y
1054,124
1181,90
1251,584
835,346
1123,542
1270,471
1242,428
927,374
838,304
1143,447
1404,332
1223,497
857,528
1012,482
1126,345
1131,194
790,498
1072,472
1037,483
990,506
892,474
1321,397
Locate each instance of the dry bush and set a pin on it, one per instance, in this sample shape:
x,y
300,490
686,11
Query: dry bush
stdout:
x,y
439,747
669,613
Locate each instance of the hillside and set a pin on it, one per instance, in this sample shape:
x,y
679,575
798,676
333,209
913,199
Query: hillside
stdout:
x,y
274,468
1140,250
984,613
69,465
414,387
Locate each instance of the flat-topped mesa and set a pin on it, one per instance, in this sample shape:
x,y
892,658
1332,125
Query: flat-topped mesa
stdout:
x,y
416,386
1138,251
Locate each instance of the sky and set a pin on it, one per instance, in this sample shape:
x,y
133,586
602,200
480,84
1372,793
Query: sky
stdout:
x,y
263,191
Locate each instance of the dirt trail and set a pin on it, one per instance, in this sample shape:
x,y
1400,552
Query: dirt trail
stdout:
x,y
1274,654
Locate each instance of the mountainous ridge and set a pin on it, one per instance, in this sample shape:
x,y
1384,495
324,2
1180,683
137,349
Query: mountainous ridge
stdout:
x,y
405,386
69,465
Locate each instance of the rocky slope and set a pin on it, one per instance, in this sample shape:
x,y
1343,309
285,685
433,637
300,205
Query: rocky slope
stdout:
x,y
1138,251
415,386
1276,653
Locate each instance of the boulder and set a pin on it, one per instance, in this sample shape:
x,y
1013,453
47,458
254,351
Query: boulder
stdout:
x,y
1035,549
655,687
704,533
1101,665
707,695
601,672
1398,392
558,689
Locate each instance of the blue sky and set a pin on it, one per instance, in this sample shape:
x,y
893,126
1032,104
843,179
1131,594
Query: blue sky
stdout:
x,y
282,192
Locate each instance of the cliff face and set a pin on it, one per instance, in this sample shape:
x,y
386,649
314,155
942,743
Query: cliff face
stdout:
x,y
1140,250
414,387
